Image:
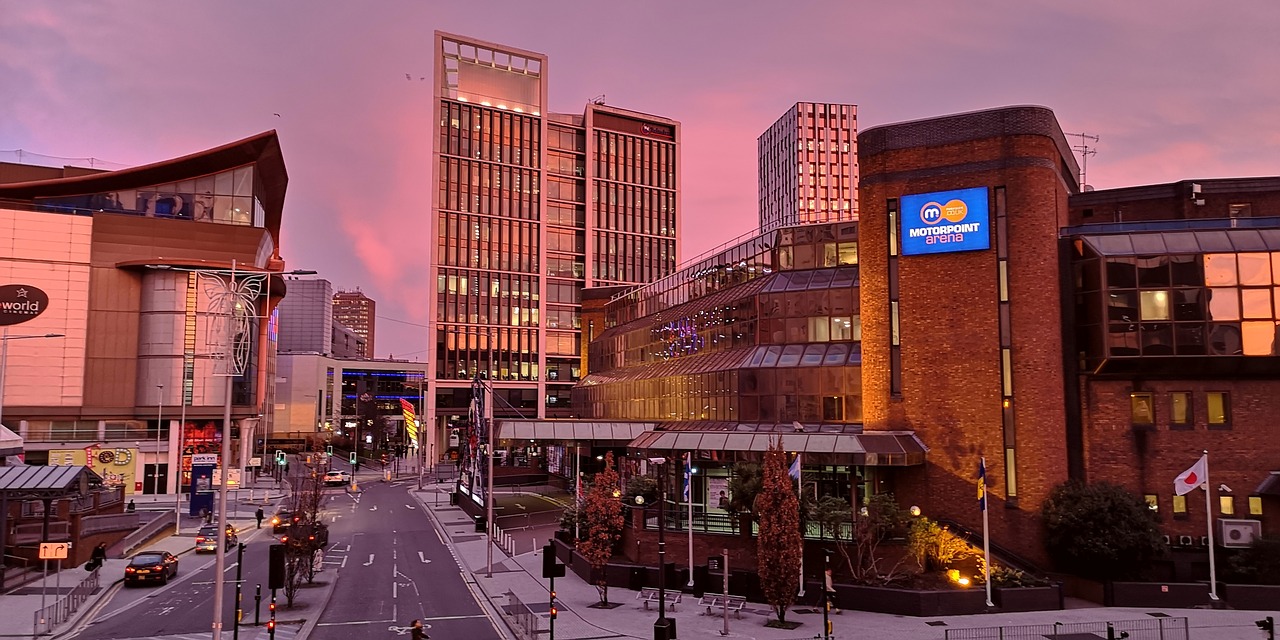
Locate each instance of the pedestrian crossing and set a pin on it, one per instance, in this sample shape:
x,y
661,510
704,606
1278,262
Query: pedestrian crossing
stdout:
x,y
283,632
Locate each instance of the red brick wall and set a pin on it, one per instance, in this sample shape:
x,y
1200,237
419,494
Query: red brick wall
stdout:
x,y
949,330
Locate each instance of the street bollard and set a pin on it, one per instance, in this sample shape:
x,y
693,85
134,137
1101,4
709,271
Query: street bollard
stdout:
x,y
257,606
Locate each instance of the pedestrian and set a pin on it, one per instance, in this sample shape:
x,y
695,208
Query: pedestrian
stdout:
x,y
130,508
416,631
98,557
259,515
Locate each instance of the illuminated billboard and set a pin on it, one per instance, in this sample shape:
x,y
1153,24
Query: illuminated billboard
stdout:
x,y
945,222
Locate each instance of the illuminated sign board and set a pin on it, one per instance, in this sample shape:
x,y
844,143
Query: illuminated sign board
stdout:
x,y
945,222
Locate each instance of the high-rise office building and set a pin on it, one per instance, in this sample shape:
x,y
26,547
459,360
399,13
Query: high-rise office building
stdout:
x,y
357,312
305,321
530,208
809,166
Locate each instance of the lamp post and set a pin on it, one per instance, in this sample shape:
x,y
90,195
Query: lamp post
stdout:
x,y
663,628
159,425
177,461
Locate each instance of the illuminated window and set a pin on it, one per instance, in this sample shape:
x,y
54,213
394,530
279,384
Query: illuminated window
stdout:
x,y
1180,505
1227,505
1153,501
1155,305
1255,505
1141,409
1218,408
1180,409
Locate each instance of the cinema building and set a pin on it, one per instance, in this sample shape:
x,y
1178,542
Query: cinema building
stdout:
x,y
124,367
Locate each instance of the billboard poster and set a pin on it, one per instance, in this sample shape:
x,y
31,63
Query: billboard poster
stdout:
x,y
199,438
945,222
118,467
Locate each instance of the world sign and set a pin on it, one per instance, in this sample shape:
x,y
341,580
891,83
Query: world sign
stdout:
x,y
20,303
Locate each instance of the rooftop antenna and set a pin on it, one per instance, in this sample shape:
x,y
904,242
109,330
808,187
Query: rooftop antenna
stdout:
x,y
1085,151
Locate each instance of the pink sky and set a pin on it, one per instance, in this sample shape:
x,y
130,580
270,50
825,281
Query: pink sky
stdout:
x,y
1175,91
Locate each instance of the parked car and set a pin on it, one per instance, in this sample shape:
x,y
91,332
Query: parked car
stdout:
x,y
207,538
282,520
337,478
151,567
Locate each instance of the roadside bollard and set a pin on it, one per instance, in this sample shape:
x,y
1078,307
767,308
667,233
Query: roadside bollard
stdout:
x,y
257,606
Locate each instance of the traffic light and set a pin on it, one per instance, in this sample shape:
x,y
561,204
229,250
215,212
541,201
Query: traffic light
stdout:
x,y
551,568
328,450
1268,624
554,608
280,459
352,459
275,569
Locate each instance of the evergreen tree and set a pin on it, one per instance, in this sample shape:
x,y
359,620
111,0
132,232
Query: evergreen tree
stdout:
x,y
779,544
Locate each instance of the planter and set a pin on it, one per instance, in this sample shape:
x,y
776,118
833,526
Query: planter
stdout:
x,y
1028,598
1251,596
1182,595
909,602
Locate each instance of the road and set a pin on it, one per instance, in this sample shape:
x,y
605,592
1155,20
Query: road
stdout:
x,y
394,567
389,563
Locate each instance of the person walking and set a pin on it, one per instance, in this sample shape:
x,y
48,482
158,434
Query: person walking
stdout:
x,y
259,515
98,557
416,631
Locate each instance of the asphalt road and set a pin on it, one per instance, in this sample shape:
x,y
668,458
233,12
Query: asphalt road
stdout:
x,y
185,605
393,567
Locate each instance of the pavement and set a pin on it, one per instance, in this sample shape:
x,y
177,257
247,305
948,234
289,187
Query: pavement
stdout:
x,y
519,577
19,605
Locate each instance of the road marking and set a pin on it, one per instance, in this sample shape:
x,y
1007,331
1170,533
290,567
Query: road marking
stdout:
x,y
344,563
165,611
394,586
409,506
340,624
423,558
373,508
522,507
370,560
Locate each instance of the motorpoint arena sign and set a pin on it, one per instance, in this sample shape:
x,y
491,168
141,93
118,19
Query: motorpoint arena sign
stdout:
x,y
20,303
945,222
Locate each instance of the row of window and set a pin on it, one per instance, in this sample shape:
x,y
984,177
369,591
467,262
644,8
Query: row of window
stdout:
x,y
483,242
486,298
482,133
480,187
621,207
1226,505
507,354
635,159
634,259
1182,410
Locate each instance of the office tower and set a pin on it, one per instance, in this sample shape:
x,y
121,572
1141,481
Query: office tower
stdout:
x,y
530,208
356,311
809,166
305,319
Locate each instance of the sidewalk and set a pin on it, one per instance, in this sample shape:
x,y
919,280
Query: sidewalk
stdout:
x,y
521,576
19,606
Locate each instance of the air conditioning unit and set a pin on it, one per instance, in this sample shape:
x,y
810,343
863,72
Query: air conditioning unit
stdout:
x,y
1204,541
1185,541
1234,533
1167,541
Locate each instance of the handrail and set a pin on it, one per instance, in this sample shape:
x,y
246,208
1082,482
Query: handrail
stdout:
x,y
44,620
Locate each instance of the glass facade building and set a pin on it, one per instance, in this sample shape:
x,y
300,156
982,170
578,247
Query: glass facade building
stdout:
x,y
809,166
531,207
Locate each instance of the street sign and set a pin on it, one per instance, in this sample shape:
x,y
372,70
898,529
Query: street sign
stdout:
x,y
54,550
715,564
255,462
233,478
202,459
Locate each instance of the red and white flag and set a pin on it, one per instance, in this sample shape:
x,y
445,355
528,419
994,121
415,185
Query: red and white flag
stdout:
x,y
1193,477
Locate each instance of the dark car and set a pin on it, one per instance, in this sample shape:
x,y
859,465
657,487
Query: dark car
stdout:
x,y
307,537
156,566
282,520
207,538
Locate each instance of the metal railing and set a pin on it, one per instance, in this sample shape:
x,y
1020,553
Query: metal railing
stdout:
x,y
523,620
1143,629
114,522
44,620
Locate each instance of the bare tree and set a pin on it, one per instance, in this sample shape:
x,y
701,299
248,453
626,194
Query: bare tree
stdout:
x,y
301,539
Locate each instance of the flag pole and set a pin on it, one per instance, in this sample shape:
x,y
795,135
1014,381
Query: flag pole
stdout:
x,y
688,479
986,535
1208,517
800,494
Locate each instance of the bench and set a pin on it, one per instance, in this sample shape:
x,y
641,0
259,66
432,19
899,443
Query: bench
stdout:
x,y
650,594
715,603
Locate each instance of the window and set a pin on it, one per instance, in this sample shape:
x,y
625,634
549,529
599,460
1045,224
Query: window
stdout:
x,y
1227,505
1141,410
1180,506
833,408
1180,416
1255,505
1153,501
1218,409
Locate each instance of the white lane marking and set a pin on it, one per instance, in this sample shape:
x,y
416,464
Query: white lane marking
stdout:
x,y
409,506
423,558
373,508
522,507
394,586
344,563
370,560
165,611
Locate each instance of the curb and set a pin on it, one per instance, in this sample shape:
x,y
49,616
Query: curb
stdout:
x,y
310,622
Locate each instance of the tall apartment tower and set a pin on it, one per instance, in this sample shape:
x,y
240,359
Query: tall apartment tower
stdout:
x,y
357,312
809,166
306,317
531,207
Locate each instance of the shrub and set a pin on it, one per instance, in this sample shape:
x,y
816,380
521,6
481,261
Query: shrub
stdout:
x,y
1257,564
935,547
1100,531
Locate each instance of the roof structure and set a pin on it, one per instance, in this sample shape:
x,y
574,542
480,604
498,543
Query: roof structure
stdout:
x,y
10,442
35,482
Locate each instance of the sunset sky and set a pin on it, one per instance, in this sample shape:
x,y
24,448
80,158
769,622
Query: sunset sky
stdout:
x,y
1175,90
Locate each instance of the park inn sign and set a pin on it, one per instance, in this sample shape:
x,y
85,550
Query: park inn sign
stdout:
x,y
20,303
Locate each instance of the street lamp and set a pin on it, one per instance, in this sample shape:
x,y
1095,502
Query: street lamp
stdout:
x,y
4,358
159,424
663,628
237,301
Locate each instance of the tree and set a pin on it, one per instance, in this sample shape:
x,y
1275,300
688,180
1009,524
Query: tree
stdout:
x,y
1100,531
744,486
602,515
878,519
779,545
300,554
